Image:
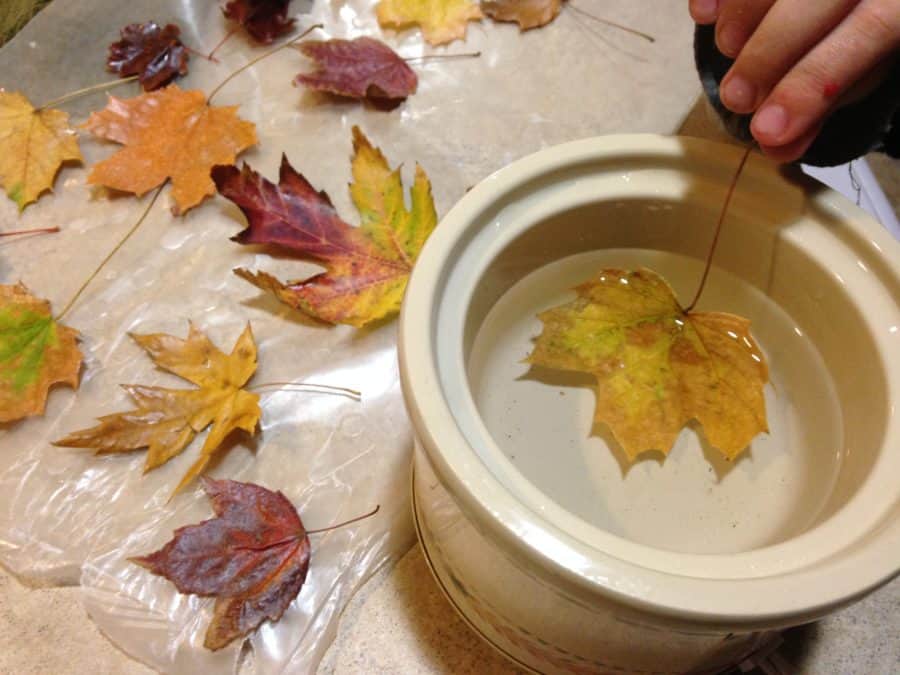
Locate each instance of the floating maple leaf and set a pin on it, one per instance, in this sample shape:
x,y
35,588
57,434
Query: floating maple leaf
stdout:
x,y
264,20
156,55
166,420
441,21
658,367
168,134
35,143
368,266
527,13
362,68
253,557
36,352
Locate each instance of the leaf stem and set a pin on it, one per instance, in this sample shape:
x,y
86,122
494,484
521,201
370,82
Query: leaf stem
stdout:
x,y
715,241
222,42
109,255
436,57
252,62
208,57
40,230
588,15
346,522
301,386
78,93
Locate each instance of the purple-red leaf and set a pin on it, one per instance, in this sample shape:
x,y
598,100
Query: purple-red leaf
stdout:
x,y
363,68
253,557
265,20
156,55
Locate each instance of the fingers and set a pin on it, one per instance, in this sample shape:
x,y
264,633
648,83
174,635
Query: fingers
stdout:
x,y
809,91
794,150
737,21
787,32
704,11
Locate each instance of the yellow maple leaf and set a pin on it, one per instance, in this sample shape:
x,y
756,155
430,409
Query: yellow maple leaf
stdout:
x,y
36,352
168,133
441,21
35,144
658,367
166,420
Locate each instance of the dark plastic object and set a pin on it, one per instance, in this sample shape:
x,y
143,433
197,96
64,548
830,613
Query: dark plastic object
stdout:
x,y
868,125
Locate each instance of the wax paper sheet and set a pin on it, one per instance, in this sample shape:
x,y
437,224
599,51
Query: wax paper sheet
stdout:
x,y
67,516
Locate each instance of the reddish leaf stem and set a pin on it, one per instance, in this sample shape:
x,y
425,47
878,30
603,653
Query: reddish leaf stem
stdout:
x,y
715,241
208,57
269,53
222,42
40,230
346,522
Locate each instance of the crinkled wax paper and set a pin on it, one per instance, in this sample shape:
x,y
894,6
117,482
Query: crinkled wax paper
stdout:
x,y
67,516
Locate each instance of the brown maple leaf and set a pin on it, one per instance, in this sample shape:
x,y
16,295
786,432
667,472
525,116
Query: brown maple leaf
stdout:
x,y
657,366
156,55
367,266
264,20
166,420
253,557
362,68
168,133
527,13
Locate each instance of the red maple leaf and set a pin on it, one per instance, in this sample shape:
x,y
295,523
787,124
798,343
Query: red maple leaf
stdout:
x,y
363,68
265,20
253,557
156,55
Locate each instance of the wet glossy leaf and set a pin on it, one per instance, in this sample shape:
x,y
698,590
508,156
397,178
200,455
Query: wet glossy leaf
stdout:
x,y
36,352
367,266
166,420
441,21
172,134
34,145
155,54
264,20
252,557
362,68
658,367
527,13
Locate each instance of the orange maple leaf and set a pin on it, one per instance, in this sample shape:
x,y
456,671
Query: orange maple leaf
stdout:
x,y
168,133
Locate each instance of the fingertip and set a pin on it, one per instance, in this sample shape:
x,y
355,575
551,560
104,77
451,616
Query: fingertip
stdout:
x,y
704,11
770,125
791,152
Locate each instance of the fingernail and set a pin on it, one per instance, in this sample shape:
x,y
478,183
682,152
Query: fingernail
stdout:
x,y
770,122
731,38
739,94
706,10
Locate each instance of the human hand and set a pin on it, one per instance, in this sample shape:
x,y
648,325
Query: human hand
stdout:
x,y
796,60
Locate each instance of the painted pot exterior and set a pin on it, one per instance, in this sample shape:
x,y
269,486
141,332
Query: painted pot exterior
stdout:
x,y
557,594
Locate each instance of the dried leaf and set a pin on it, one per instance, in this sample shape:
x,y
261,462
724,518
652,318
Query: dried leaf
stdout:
x,y
527,13
658,367
252,557
36,352
441,21
35,144
156,55
368,266
168,134
362,68
166,420
264,20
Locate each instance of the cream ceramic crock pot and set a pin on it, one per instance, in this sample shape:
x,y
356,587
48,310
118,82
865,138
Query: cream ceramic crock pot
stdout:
x,y
557,551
